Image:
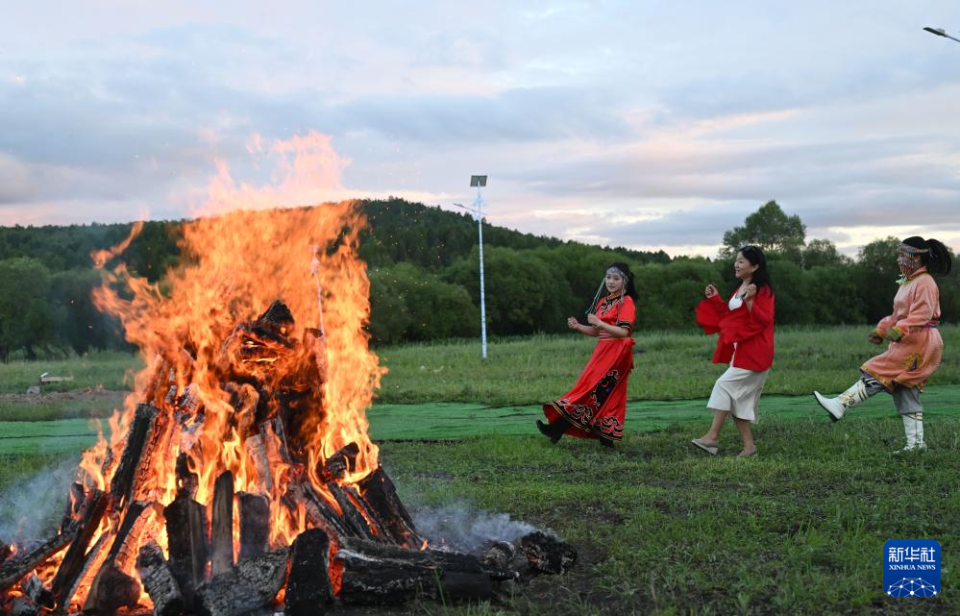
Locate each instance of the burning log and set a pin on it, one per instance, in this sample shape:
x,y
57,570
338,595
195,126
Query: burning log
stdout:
x,y
275,439
254,524
391,516
301,494
352,515
309,590
15,568
159,582
248,586
22,606
342,462
64,582
38,592
221,536
257,450
92,562
112,589
74,505
138,443
187,481
6,551
547,554
187,537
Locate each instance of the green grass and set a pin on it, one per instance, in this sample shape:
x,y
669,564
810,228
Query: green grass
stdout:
x,y
668,365
660,528
105,369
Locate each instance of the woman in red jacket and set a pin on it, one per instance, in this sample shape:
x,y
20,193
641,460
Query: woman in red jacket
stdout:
x,y
745,323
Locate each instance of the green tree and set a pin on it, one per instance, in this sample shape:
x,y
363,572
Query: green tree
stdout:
x,y
408,303
523,294
771,229
27,321
819,253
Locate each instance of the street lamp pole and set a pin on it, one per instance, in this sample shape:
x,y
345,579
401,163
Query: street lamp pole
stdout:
x,y
479,181
941,32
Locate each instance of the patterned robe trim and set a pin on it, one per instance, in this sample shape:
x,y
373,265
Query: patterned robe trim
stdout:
x,y
625,324
894,334
581,415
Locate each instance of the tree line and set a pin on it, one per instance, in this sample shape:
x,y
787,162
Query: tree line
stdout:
x,y
424,274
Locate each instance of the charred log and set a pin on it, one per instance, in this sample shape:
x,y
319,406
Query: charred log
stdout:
x,y
221,536
22,606
158,580
16,567
309,590
352,515
74,505
257,450
381,498
187,537
499,555
72,566
38,592
250,585
112,589
91,563
547,554
254,524
137,440
378,573
187,481
339,464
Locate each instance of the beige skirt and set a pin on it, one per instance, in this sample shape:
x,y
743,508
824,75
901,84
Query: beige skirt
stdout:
x,y
738,391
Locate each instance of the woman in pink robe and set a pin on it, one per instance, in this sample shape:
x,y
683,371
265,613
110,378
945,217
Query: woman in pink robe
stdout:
x,y
915,346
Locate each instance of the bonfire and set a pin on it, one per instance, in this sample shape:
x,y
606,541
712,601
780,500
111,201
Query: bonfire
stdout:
x,y
240,474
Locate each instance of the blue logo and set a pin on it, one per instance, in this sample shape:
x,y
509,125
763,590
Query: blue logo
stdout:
x,y
911,568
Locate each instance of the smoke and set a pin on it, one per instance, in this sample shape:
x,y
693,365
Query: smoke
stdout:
x,y
459,527
33,505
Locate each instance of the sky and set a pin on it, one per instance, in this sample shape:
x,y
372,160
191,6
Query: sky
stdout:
x,y
646,124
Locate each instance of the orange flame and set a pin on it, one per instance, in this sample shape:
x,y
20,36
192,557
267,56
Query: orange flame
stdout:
x,y
218,375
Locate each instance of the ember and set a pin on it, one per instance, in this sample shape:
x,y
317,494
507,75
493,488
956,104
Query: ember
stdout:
x,y
241,466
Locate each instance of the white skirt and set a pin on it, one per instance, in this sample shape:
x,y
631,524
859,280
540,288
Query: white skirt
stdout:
x,y
738,391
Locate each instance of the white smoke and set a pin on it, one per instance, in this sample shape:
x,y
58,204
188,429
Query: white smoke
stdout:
x,y
459,527
32,506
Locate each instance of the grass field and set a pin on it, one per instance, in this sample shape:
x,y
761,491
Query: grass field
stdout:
x,y
660,528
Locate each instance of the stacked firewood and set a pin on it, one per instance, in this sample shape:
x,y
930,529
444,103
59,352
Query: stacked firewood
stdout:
x,y
362,547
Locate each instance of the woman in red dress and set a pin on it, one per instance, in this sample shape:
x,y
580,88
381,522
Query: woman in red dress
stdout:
x,y
596,405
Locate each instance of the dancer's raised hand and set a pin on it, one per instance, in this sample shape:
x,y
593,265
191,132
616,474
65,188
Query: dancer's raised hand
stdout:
x,y
710,291
572,323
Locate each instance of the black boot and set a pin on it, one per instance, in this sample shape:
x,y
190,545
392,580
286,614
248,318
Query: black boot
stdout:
x,y
555,430
605,443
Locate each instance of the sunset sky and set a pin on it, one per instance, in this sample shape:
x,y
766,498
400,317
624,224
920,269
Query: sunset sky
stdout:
x,y
643,124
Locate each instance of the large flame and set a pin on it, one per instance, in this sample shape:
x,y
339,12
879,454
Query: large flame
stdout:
x,y
212,370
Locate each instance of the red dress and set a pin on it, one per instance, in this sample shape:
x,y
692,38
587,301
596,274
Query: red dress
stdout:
x,y
597,403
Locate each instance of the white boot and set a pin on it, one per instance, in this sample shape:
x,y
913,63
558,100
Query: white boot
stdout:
x,y
836,407
913,427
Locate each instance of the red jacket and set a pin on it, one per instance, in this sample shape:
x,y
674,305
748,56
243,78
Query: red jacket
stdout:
x,y
750,329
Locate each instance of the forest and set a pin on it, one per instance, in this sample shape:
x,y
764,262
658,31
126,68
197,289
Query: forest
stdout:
x,y
424,274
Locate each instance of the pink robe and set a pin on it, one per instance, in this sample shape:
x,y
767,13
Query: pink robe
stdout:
x,y
916,313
